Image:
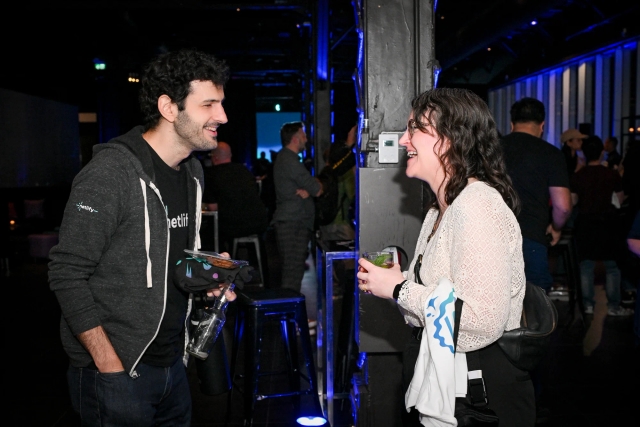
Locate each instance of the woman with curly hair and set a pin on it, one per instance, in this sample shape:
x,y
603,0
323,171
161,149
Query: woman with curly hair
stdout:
x,y
470,236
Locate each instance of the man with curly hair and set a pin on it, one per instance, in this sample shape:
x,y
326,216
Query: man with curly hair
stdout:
x,y
132,212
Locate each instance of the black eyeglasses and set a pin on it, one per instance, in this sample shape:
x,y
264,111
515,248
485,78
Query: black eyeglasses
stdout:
x,y
412,125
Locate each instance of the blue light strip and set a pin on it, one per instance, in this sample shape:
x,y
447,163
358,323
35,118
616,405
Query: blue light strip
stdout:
x,y
609,49
322,43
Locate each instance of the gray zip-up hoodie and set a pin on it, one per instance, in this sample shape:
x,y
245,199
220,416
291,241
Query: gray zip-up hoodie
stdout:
x,y
110,266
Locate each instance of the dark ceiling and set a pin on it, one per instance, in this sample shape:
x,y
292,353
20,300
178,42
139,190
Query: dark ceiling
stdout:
x,y
51,46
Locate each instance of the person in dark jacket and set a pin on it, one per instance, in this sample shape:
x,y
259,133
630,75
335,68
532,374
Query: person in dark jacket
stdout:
x,y
592,190
232,190
133,210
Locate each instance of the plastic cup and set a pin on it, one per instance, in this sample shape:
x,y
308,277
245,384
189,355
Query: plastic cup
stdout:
x,y
382,259
205,334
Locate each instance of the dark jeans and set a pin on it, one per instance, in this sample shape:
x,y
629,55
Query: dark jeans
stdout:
x,y
158,397
536,263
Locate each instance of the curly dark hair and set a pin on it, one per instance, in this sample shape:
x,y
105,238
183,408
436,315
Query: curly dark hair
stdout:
x,y
463,118
171,74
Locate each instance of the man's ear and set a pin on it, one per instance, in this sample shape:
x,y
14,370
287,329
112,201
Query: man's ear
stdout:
x,y
293,140
511,126
167,108
541,129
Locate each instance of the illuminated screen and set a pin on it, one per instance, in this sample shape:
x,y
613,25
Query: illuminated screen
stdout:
x,y
268,130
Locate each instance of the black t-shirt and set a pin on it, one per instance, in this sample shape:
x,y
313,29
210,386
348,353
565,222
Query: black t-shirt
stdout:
x,y
594,185
534,165
169,343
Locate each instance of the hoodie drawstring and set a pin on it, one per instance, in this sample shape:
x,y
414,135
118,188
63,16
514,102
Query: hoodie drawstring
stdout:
x,y
198,244
147,232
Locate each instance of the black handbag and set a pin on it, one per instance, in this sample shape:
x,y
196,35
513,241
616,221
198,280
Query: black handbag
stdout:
x,y
472,410
526,345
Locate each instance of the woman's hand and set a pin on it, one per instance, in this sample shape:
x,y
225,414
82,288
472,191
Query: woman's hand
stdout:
x,y
377,280
215,292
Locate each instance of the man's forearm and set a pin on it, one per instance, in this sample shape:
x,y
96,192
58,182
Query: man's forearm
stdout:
x,y
99,346
561,206
634,246
559,217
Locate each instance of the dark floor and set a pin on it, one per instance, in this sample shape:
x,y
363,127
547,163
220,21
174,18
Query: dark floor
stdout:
x,y
590,378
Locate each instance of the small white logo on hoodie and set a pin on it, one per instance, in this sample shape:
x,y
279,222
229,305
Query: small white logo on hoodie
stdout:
x,y
80,206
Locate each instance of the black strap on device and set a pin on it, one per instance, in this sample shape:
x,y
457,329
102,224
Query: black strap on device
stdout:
x,y
476,392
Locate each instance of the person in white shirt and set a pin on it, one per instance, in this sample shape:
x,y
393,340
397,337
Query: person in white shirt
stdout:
x,y
470,236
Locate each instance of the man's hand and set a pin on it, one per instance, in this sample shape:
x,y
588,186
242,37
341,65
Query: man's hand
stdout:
x,y
555,235
301,192
99,346
216,292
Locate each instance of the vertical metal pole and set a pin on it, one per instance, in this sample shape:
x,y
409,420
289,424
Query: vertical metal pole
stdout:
x,y
396,63
322,85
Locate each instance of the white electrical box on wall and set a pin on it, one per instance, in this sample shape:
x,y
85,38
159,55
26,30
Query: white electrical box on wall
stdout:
x,y
388,147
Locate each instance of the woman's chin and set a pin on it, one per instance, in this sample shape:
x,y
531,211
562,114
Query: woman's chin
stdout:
x,y
412,172
409,170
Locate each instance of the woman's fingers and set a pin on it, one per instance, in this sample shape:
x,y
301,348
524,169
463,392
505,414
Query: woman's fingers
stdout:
x,y
377,280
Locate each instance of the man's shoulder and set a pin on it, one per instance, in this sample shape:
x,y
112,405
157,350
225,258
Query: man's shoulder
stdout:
x,y
523,146
528,141
111,155
285,160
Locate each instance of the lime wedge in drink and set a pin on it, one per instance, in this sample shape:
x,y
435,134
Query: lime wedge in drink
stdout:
x,y
383,260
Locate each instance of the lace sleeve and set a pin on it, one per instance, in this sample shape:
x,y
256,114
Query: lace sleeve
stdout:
x,y
481,265
408,299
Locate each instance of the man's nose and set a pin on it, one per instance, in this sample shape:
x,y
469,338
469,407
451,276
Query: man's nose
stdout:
x,y
221,116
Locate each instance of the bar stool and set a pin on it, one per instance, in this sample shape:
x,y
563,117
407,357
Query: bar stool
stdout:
x,y
252,239
255,309
566,249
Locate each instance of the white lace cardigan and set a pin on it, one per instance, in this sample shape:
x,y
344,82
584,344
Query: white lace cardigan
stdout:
x,y
477,246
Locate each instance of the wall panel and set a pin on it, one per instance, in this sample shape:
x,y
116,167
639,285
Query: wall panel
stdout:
x,y
600,88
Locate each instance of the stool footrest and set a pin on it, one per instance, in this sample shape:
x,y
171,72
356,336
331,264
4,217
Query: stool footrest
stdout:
x,y
286,394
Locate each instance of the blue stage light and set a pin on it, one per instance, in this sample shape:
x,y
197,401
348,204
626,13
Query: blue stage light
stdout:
x,y
311,421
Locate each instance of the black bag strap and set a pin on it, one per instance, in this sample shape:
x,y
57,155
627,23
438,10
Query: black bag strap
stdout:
x,y
456,325
476,391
